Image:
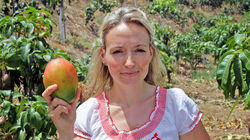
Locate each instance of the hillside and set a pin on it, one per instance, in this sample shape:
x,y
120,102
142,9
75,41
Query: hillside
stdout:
x,y
81,36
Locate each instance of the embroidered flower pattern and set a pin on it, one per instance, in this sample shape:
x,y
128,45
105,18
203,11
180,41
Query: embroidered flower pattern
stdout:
x,y
155,137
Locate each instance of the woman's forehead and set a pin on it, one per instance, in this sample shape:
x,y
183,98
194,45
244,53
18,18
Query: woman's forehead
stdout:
x,y
127,33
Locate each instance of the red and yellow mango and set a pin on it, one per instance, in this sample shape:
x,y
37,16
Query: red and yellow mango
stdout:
x,y
61,72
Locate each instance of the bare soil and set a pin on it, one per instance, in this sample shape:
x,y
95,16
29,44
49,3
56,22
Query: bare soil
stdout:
x,y
215,108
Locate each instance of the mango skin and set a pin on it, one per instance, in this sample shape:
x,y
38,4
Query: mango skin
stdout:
x,y
61,72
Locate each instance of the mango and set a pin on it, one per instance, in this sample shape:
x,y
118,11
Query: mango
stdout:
x,y
61,72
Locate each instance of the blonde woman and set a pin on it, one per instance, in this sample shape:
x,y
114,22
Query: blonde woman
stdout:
x,y
125,101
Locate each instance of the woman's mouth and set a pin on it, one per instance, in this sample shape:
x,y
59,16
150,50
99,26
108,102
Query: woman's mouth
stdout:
x,y
129,74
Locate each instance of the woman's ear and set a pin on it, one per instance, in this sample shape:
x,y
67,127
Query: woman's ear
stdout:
x,y
152,49
102,55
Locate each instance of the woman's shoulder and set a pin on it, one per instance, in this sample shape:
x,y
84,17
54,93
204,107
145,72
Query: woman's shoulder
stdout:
x,y
173,92
176,92
177,97
88,105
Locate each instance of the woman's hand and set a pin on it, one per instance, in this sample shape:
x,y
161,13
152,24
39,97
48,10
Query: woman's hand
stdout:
x,y
62,113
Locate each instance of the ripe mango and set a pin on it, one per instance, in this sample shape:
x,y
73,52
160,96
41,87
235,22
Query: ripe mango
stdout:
x,y
61,72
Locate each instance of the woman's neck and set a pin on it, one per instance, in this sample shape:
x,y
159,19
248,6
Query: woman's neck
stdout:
x,y
128,96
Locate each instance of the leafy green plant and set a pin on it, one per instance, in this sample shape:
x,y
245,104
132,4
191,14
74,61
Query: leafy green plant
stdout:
x,y
25,117
233,70
14,7
23,47
103,6
81,66
186,48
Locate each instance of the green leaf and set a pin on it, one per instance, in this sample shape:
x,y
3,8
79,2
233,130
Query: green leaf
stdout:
x,y
24,119
25,12
245,58
45,12
225,54
13,60
224,68
239,76
247,101
14,128
39,98
230,44
9,30
27,49
6,106
238,71
30,28
40,45
38,121
47,58
5,93
17,94
233,107
239,38
22,134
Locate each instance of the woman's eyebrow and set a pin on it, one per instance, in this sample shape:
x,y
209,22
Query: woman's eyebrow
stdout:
x,y
141,45
117,47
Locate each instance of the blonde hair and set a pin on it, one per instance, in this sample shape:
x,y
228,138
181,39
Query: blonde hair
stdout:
x,y
98,75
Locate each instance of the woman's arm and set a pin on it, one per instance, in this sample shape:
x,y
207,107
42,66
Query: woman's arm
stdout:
x,y
198,133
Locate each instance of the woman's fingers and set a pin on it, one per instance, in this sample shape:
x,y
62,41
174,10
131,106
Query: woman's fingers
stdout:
x,y
47,93
56,113
56,102
78,93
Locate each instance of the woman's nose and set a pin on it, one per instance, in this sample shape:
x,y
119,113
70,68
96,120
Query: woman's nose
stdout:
x,y
129,61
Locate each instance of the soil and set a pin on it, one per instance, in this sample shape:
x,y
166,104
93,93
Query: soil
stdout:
x,y
215,108
205,93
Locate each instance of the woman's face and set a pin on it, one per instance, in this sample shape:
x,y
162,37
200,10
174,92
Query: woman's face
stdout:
x,y
127,53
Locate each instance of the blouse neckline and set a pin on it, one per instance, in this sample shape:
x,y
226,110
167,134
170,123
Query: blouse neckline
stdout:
x,y
154,118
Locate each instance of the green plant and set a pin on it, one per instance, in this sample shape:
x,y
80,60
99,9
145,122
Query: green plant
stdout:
x,y
233,70
25,117
103,6
23,46
14,7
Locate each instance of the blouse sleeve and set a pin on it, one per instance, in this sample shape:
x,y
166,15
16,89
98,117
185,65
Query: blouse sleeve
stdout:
x,y
83,120
187,114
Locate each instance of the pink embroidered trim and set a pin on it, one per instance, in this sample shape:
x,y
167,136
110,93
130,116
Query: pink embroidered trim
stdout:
x,y
195,121
139,127
81,134
143,130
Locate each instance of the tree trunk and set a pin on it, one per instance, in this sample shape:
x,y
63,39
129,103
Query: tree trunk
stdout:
x,y
136,4
121,2
61,21
64,26
205,59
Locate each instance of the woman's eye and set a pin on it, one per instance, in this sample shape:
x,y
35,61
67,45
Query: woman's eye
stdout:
x,y
117,51
140,50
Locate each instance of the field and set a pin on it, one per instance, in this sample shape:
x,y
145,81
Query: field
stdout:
x,y
206,27
215,108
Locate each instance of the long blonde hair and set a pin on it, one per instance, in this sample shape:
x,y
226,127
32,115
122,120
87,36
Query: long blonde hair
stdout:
x,y
99,77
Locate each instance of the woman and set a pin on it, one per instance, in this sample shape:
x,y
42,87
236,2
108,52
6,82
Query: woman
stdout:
x,y
127,104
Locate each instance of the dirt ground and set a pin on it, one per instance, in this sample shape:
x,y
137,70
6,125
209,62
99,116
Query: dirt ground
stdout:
x,y
215,108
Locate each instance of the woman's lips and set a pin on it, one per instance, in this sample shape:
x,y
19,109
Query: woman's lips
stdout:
x,y
129,74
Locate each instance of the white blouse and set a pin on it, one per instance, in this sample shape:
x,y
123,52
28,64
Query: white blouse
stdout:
x,y
174,114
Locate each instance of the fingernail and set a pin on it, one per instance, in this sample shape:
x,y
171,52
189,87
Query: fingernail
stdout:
x,y
54,85
69,107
